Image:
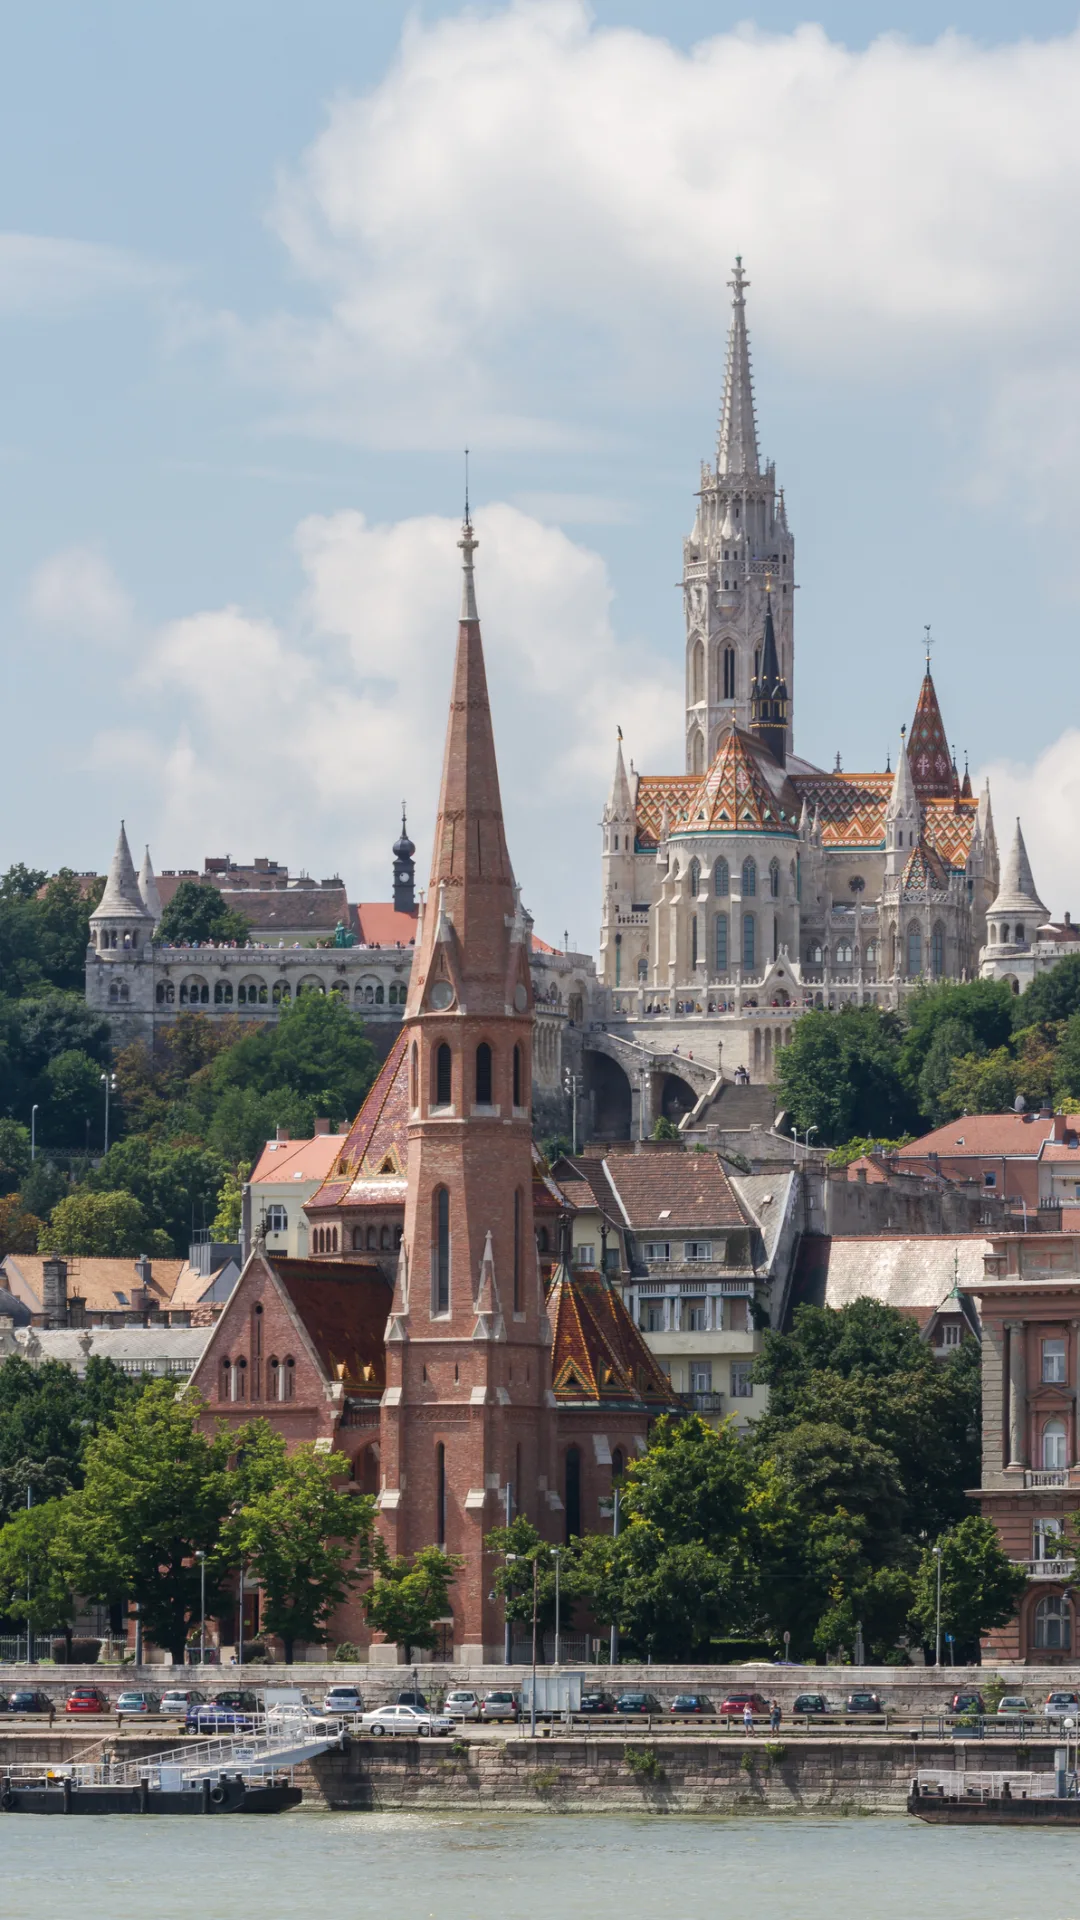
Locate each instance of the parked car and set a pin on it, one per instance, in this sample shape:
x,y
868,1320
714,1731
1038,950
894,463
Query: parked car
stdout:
x,y
735,1704
810,1703
177,1700
138,1701
408,1721
231,1711
462,1704
863,1703
597,1703
692,1703
1013,1703
29,1700
343,1700
412,1697
969,1701
86,1700
500,1705
1062,1706
638,1703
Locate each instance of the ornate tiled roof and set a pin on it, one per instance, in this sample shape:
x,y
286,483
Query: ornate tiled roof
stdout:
x,y
597,1353
377,1141
928,749
924,873
658,794
948,826
743,791
850,806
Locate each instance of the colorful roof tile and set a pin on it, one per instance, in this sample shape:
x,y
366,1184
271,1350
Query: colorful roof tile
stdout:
x,y
924,873
928,749
377,1141
597,1353
741,792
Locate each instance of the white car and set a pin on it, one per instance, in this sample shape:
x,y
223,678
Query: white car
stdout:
x,y
405,1720
343,1700
462,1704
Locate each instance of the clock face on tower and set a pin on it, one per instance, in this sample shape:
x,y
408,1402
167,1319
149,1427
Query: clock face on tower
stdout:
x,y
403,874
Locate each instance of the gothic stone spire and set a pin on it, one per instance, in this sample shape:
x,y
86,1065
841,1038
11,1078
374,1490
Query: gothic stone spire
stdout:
x,y
736,446
121,899
931,761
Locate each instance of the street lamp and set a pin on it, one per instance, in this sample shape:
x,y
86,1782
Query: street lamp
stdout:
x,y
33,1132
613,1644
200,1556
557,1551
807,1131
570,1086
108,1081
532,1702
937,1632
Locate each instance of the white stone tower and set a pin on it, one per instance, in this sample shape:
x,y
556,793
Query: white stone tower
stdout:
x,y
903,816
739,548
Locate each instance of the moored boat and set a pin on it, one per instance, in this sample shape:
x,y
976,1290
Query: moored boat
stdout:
x,y
947,1797
64,1793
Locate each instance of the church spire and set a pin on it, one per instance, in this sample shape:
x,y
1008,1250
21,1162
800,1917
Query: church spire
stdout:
x,y
931,761
619,804
736,446
903,815
769,697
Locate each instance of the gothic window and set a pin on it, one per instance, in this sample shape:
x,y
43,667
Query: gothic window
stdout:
x,y
749,878
483,1075
238,1384
372,1238
358,1239
1053,1623
1019,936
517,1076
440,1495
384,1239
749,941
697,753
693,940
697,673
575,1008
798,876
843,953
774,879
223,993
414,1092
379,995
775,937
517,1249
815,955
541,1240
729,673
441,1251
695,878
441,1063
572,1492
871,953
1054,1446
273,1378
282,993
721,943
288,1378
937,950
914,951
721,879
757,663
643,969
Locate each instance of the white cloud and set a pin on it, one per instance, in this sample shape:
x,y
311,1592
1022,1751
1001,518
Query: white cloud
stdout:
x,y
522,177
76,593
42,275
1046,797
301,742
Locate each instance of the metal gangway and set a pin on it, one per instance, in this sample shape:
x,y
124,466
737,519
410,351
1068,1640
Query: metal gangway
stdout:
x,y
276,1742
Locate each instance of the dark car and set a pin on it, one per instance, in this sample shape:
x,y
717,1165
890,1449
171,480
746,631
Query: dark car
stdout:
x,y
863,1703
86,1700
735,1704
692,1703
967,1702
810,1703
231,1711
412,1697
597,1703
638,1703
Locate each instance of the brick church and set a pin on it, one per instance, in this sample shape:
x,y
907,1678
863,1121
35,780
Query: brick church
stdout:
x,y
434,1340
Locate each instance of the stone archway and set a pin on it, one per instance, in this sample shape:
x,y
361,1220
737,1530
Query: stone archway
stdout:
x,y
676,1098
610,1097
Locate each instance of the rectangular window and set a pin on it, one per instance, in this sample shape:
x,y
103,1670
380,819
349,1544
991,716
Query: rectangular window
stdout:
x,y
693,1316
1046,1539
654,1318
949,1334
584,1255
1053,1362
989,1179
658,1250
441,1288
697,1250
742,1385
701,1376
277,1220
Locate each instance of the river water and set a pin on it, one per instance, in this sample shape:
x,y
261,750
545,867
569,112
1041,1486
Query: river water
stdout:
x,y
542,1867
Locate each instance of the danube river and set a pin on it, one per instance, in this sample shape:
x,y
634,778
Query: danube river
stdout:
x,y
544,1867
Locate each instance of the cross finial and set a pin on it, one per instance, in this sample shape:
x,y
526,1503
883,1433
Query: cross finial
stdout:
x,y
929,643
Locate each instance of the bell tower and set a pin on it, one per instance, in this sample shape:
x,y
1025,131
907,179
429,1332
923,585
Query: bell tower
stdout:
x,y
468,1410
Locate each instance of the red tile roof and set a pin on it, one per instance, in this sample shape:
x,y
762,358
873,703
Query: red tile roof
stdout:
x,y
298,1159
667,1191
343,1306
597,1352
928,750
378,1140
987,1135
379,924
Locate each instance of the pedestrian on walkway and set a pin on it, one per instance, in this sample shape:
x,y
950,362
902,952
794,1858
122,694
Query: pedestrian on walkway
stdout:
x,y
774,1716
748,1718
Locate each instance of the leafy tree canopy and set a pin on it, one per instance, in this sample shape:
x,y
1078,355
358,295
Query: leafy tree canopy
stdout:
x,y
981,1587
48,1416
198,912
1054,995
841,1074
983,1008
14,1155
34,1582
109,1224
175,1183
35,1035
44,930
409,1596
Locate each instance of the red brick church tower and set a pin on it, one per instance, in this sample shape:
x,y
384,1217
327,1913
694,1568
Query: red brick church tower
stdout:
x,y
468,1409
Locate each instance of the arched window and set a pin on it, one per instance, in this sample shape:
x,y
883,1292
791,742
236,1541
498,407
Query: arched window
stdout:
x,y
721,879
518,1208
225,1381
442,1075
749,942
358,1239
697,673
694,871
937,950
483,1075
617,1465
288,1378
816,955
335,1240
697,753
517,1076
223,994
774,879
1019,936
273,1378
721,943
914,950
843,953
693,940
575,1009
282,993
572,1492
1054,1444
871,953
239,1379
749,878
440,1495
541,1240
729,673
384,1239
441,1251
1053,1623
414,1088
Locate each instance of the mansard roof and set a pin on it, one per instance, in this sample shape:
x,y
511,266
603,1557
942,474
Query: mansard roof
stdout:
x,y
597,1353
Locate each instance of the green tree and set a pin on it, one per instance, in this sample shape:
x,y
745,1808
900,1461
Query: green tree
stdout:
x,y
841,1075
14,1155
48,1416
1054,995
197,912
19,1230
175,1182
518,1548
983,1007
42,1187
108,1224
1067,1064
306,1541
62,922
226,1223
318,1047
952,1040
979,1083
34,1582
981,1587
410,1595
74,1103
21,883
34,1032
855,1149
156,1491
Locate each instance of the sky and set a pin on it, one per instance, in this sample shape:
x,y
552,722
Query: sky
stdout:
x,y
266,269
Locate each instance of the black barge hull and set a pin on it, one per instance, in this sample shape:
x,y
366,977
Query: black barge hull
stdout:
x,y
994,1813
217,1796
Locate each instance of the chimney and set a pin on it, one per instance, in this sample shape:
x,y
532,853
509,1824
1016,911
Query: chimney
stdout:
x,y
321,1126
54,1291
144,1270
282,1133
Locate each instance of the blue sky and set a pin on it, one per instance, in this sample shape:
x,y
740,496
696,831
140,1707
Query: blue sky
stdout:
x,y
265,269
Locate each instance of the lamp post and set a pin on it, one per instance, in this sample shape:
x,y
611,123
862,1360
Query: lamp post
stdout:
x,y
240,1637
200,1556
937,1631
108,1081
613,1644
807,1131
33,1132
570,1086
532,1699
557,1551
508,1645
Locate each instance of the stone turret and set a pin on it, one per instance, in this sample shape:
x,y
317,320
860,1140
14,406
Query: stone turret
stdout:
x,y
1015,915
122,923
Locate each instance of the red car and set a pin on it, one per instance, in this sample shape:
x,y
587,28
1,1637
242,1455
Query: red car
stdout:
x,y
86,1700
735,1705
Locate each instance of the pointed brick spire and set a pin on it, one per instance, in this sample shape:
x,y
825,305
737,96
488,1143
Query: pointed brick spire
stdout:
x,y
931,761
736,447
